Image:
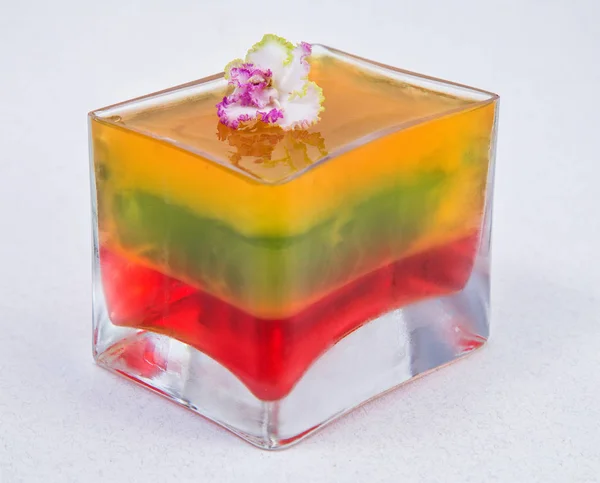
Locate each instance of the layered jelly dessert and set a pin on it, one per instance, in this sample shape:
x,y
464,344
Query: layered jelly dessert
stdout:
x,y
263,247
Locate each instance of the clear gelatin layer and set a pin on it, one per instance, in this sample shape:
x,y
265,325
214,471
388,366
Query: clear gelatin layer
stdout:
x,y
262,249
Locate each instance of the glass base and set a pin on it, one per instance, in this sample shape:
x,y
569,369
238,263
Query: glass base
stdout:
x,y
369,361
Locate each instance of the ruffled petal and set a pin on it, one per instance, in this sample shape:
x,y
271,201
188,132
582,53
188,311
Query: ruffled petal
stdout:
x,y
233,114
273,52
295,73
254,95
241,74
302,110
271,116
232,65
252,85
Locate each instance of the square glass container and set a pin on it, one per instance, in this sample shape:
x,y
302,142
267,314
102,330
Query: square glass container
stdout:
x,y
273,280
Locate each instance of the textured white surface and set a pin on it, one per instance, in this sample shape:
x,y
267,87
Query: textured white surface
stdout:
x,y
524,409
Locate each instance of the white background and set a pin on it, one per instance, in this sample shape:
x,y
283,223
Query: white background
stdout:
x,y
524,409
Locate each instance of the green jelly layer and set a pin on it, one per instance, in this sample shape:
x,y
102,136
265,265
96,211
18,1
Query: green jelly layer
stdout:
x,y
273,275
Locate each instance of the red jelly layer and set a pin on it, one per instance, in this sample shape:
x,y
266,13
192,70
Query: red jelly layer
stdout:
x,y
270,355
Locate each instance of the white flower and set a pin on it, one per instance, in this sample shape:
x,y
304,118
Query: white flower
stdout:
x,y
271,85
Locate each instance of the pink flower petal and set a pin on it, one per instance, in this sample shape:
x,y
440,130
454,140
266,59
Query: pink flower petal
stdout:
x,y
232,114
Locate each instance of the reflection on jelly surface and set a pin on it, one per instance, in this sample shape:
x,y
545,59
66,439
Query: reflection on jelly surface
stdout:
x,y
261,261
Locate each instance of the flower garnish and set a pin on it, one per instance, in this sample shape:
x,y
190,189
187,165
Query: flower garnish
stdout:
x,y
271,85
